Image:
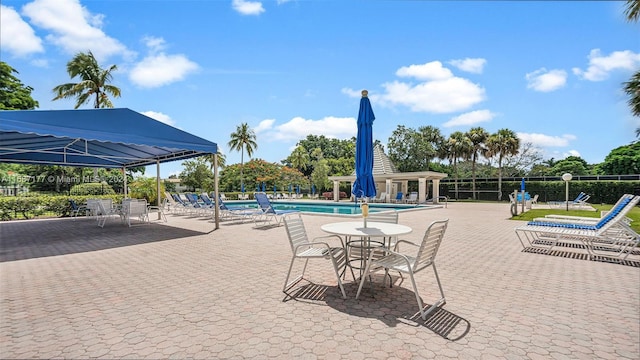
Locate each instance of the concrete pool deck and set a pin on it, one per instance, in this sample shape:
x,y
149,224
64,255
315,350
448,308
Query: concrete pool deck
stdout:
x,y
69,289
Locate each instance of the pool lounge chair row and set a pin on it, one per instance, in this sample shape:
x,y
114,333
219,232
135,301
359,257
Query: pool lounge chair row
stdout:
x,y
608,237
202,205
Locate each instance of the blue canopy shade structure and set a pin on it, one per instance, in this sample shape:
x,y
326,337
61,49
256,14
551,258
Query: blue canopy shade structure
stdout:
x,y
365,185
108,138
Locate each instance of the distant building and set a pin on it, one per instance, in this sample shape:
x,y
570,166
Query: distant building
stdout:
x,y
390,181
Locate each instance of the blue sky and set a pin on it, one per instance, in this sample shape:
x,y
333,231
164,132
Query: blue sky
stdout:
x,y
550,71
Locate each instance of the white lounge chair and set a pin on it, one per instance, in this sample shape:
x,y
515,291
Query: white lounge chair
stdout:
x,y
381,198
412,198
610,237
424,257
317,248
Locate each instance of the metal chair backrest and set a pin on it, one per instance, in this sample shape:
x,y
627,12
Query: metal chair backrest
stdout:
x,y
430,244
296,232
384,216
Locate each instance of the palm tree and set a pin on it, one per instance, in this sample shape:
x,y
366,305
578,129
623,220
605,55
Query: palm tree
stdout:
x,y
94,82
632,87
300,158
503,143
477,136
243,138
222,160
458,146
431,141
632,10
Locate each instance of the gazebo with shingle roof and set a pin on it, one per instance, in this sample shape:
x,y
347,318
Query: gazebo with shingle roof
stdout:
x,y
388,178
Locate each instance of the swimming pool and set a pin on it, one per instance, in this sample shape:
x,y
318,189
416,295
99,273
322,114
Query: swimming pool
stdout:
x,y
326,208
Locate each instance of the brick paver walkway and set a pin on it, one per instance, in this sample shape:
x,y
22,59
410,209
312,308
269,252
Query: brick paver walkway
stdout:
x,y
69,289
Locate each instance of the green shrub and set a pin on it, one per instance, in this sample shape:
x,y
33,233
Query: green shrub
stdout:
x,y
92,189
27,207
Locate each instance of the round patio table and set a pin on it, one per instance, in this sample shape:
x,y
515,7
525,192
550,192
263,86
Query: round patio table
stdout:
x,y
377,230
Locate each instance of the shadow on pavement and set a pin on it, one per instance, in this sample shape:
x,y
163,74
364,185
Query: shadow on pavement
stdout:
x,y
20,240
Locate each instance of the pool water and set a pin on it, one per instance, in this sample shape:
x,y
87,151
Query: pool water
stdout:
x,y
328,207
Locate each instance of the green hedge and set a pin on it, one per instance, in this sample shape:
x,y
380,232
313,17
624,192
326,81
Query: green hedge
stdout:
x,y
602,191
28,207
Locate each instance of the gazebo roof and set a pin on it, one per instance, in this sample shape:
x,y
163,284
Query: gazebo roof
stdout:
x,y
382,165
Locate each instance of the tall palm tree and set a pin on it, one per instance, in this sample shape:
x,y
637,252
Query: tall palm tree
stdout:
x,y
632,87
458,146
431,141
503,143
94,82
243,138
477,136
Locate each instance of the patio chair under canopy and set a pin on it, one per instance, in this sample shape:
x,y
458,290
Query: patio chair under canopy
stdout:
x,y
365,185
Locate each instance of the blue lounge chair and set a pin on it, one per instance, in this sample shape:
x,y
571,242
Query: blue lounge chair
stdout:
x,y
399,197
235,212
269,213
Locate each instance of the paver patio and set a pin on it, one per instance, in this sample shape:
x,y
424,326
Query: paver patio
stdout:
x,y
69,289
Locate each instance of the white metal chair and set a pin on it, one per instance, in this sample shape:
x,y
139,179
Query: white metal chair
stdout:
x,y
303,248
105,210
404,263
136,209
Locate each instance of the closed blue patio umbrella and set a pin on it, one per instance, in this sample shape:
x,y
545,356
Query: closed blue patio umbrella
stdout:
x,y
313,189
364,186
275,189
242,188
522,185
264,188
290,189
298,189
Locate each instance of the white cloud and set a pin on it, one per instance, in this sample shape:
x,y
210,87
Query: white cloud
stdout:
x,y
543,140
546,80
298,128
600,66
470,65
438,90
247,7
470,118
264,126
429,71
573,153
352,93
73,28
164,118
158,68
439,96
16,35
154,44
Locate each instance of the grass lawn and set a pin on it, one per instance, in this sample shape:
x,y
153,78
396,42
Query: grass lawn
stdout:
x,y
529,215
